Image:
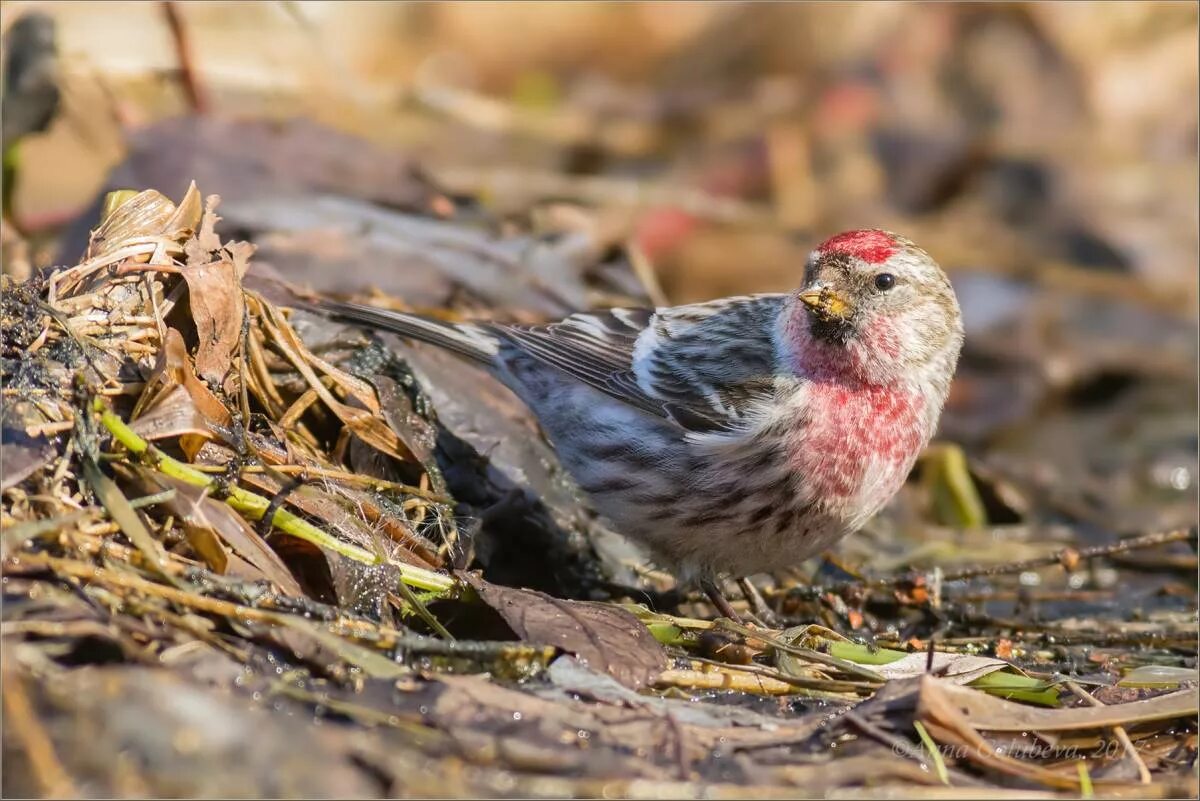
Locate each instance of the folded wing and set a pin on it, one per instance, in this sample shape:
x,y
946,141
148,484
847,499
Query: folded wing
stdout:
x,y
706,366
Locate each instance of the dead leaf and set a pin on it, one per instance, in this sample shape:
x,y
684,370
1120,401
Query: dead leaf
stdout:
x,y
173,414
126,517
208,545
958,668
197,511
939,711
178,363
607,638
187,214
195,419
990,713
146,214
239,254
217,308
310,641
22,455
417,434
206,241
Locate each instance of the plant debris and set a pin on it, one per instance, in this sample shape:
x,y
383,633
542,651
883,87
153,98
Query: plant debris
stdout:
x,y
221,517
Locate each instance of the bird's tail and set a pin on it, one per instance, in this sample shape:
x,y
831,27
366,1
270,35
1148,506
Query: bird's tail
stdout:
x,y
470,340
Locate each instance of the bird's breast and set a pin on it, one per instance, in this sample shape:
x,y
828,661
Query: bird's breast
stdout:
x,y
857,445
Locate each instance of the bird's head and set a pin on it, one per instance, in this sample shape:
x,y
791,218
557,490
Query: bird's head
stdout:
x,y
873,308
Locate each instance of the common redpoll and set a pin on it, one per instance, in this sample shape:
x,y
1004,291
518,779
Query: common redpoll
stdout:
x,y
745,434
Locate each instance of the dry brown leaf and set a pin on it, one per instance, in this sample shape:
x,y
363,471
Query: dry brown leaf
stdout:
x,y
989,713
197,511
21,454
167,412
148,213
178,366
181,367
208,545
945,721
187,215
417,434
215,296
206,241
125,516
239,254
954,715
172,414
607,638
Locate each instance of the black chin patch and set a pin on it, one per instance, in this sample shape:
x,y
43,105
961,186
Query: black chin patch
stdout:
x,y
835,332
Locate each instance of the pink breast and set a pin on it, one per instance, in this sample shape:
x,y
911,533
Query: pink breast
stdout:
x,y
851,429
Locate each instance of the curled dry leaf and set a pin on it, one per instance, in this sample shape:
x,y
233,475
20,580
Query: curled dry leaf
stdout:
x,y
173,414
607,638
955,715
167,411
988,713
957,668
146,214
214,279
947,724
217,308
206,241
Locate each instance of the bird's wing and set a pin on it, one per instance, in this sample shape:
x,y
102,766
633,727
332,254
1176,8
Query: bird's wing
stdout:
x,y
705,366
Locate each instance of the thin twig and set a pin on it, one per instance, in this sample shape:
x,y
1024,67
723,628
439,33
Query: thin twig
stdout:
x,y
1062,556
197,97
379,636
1121,735
1067,554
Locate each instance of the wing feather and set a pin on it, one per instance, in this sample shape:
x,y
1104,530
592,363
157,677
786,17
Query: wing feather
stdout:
x,y
703,366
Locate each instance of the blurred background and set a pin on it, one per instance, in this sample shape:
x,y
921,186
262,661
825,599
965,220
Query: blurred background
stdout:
x,y
1005,137
521,161
1044,153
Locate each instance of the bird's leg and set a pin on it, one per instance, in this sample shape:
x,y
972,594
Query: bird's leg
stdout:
x,y
758,604
719,600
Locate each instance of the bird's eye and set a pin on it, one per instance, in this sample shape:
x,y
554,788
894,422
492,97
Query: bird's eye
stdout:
x,y
885,281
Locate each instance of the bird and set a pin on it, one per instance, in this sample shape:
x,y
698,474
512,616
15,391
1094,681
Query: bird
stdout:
x,y
741,435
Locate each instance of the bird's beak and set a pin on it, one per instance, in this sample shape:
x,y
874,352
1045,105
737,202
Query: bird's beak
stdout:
x,y
827,304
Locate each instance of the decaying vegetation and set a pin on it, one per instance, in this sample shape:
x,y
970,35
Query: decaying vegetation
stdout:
x,y
233,564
